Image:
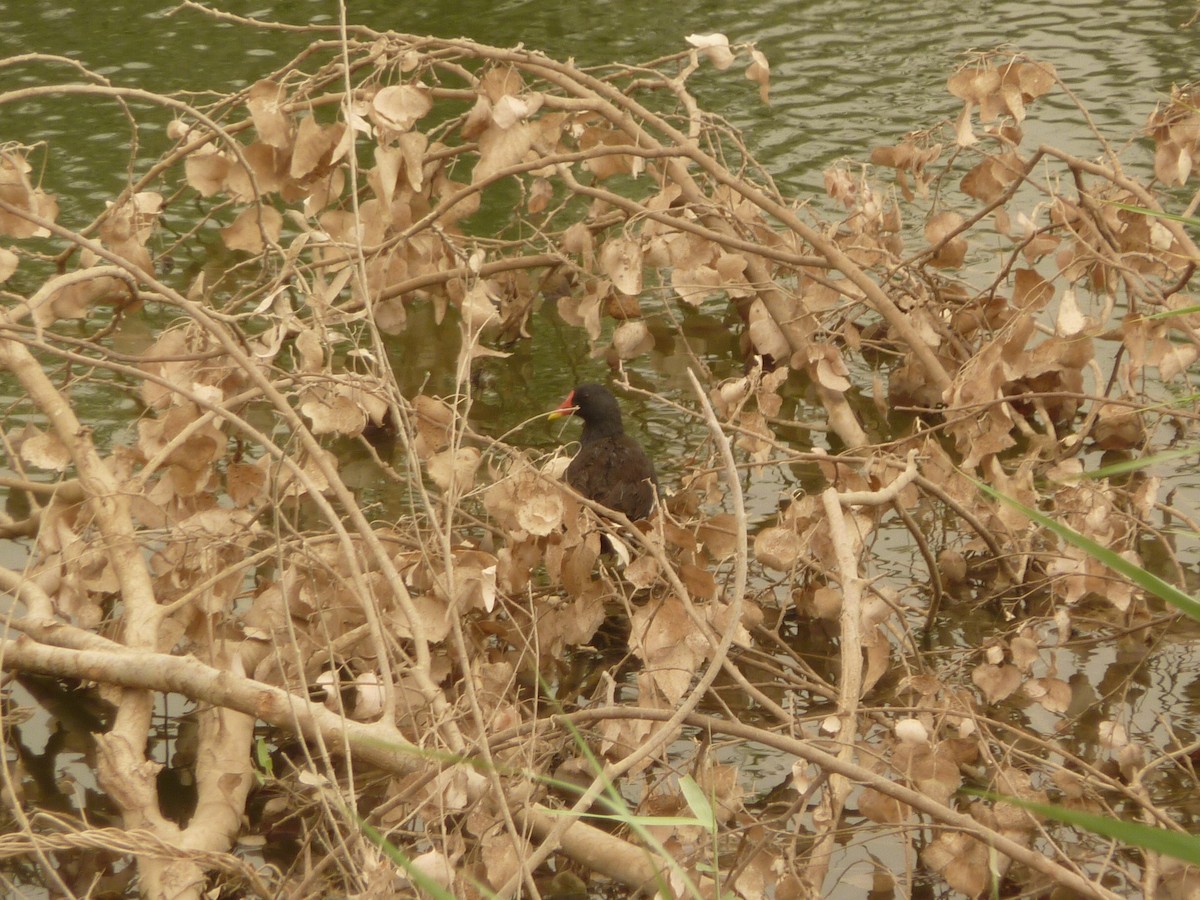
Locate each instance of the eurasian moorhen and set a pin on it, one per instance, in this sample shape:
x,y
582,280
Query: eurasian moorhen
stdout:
x,y
610,467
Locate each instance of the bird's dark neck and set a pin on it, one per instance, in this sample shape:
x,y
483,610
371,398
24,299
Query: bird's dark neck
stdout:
x,y
599,430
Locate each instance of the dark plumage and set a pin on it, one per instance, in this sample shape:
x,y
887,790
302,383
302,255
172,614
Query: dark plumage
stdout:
x,y
610,468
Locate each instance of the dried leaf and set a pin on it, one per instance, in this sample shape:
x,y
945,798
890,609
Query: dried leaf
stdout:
x,y
1030,291
331,411
718,534
16,190
207,171
434,420
435,865
961,860
671,649
996,681
44,450
642,572
911,731
311,350
1024,653
432,613
825,603
1113,735
541,513
878,653
248,230
270,121
1052,693
500,148
8,264
777,548
632,338
454,470
964,135
1070,320
1176,360
766,335
509,110
478,307
974,84
715,46
759,71
881,808
831,369
244,482
578,240
1172,164
314,145
951,254
621,261
398,107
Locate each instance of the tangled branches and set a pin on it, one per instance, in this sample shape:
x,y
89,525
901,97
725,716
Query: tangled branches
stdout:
x,y
408,670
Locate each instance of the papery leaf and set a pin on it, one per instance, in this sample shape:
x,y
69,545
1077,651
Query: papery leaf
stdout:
x,y
8,264
331,410
247,231
777,548
911,731
398,107
974,84
759,71
621,261
313,146
996,681
1176,360
952,253
881,808
1070,320
632,339
766,335
244,482
961,860
1052,693
270,121
715,46
454,470
541,513
207,172
16,190
509,110
719,535
500,148
44,450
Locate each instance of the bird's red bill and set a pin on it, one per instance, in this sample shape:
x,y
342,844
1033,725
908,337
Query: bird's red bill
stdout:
x,y
567,406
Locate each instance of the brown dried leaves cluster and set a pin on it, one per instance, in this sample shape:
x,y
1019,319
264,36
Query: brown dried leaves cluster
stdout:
x,y
498,547
1175,127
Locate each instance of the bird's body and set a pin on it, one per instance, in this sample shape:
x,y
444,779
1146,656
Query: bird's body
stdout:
x,y
610,468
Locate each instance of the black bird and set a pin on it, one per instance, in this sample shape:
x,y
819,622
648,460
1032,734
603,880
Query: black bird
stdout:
x,y
610,468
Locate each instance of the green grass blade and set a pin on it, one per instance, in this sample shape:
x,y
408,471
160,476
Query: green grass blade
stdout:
x,y
1155,213
630,819
1148,581
698,804
1133,465
1185,847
